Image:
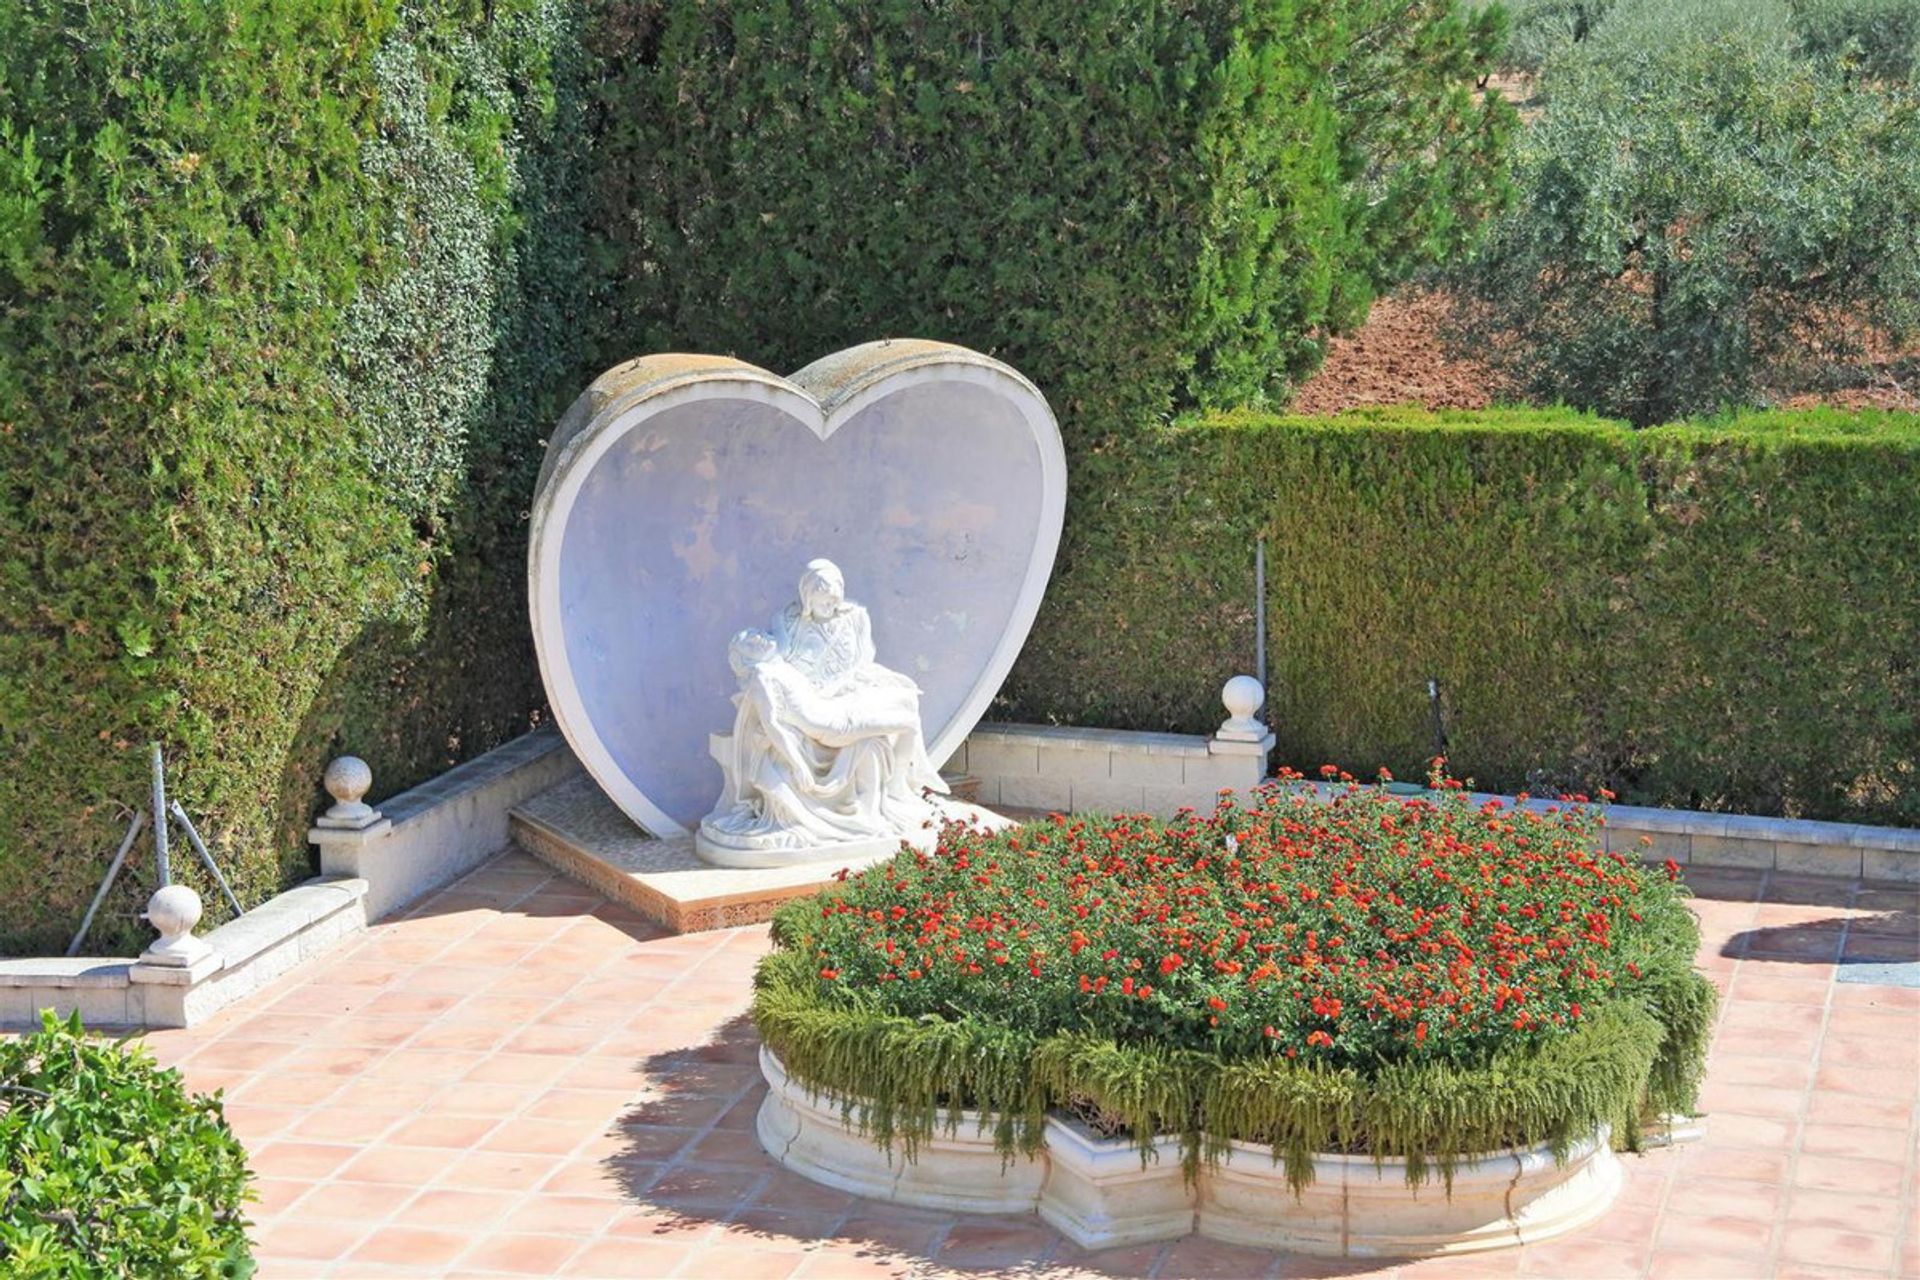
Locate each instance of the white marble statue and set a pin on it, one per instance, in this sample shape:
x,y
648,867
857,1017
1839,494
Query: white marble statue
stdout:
x,y
826,758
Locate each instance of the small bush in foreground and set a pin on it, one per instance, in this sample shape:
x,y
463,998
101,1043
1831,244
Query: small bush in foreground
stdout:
x,y
1409,978
109,1167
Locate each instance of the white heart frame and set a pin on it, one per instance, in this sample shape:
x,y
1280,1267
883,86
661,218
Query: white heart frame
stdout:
x,y
675,424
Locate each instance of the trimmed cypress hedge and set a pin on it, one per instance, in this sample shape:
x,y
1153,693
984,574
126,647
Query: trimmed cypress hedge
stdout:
x,y
1719,616
286,301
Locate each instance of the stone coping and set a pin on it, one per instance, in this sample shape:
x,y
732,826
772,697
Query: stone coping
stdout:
x,y
476,775
1743,826
244,953
1126,741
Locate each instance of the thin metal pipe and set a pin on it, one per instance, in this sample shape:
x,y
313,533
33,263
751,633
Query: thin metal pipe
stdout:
x,y
113,873
160,818
200,847
1260,609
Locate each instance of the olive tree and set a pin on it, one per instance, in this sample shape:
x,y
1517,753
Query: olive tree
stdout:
x,y
1702,202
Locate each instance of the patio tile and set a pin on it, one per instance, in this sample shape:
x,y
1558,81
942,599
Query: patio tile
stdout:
x,y
1730,1236
520,1254
1841,1173
1845,1211
412,1246
519,1079
462,1208
619,1259
1830,1247
745,1264
301,1159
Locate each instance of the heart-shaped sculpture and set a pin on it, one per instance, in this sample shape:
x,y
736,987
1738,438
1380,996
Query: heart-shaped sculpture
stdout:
x,y
682,496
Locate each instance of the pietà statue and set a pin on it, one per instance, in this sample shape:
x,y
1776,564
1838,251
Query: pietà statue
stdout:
x,y
826,758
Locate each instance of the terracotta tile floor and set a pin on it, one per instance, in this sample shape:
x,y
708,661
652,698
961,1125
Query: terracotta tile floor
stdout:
x,y
519,1079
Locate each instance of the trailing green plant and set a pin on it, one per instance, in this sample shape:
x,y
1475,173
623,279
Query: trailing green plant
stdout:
x,y
1403,978
1701,205
108,1166
1711,616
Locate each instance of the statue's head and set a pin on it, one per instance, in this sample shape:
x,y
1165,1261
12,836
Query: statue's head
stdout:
x,y
748,649
823,589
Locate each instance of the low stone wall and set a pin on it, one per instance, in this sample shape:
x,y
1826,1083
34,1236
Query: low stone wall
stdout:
x,y
444,828
1100,1194
1058,768
422,839
1063,769
280,933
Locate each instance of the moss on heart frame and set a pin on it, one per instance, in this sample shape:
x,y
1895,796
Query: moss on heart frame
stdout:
x,y
1423,979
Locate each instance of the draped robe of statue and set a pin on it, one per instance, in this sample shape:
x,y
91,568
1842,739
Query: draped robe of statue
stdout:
x,y
826,757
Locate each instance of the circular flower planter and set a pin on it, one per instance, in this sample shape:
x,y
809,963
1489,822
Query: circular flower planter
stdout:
x,y
1098,1192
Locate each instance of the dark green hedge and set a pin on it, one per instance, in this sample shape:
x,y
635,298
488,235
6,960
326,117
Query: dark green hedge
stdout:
x,y
285,308
1131,204
1713,616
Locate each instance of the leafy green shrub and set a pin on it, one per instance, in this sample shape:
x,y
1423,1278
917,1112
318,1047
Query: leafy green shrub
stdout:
x,y
108,1166
1881,38
1540,30
1701,204
1137,205
1412,978
1719,616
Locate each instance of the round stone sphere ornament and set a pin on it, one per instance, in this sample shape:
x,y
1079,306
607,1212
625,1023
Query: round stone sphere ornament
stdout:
x,y
173,911
682,494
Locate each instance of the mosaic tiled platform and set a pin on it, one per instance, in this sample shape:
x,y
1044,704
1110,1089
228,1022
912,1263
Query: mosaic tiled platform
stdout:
x,y
576,830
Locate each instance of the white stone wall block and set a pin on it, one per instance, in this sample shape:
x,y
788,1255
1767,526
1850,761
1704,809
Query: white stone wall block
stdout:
x,y
1108,797
961,1171
1075,764
1677,845
1167,801
1241,772
1817,859
1100,1194
1151,769
1049,794
1896,865
1731,851
999,758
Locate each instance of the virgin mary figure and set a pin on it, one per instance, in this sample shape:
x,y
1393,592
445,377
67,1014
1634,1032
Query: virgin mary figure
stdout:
x,y
826,758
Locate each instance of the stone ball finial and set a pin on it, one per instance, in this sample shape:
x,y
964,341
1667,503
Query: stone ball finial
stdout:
x,y
1242,696
174,910
347,779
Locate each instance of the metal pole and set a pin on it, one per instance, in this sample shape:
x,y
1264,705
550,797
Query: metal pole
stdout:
x,y
1260,609
160,818
113,873
199,847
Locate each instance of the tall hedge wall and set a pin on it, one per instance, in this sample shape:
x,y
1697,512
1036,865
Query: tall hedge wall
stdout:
x,y
1136,204
1716,616
285,306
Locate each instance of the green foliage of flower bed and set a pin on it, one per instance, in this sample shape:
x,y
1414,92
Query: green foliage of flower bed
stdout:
x,y
109,1167
1367,974
1714,616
